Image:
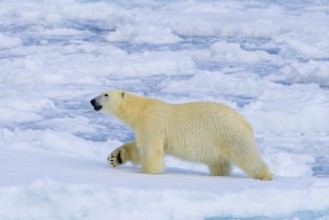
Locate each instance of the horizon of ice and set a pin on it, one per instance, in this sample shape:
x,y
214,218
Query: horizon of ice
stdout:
x,y
267,60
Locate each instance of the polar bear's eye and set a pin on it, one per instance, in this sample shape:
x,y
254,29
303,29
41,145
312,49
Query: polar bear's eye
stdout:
x,y
106,95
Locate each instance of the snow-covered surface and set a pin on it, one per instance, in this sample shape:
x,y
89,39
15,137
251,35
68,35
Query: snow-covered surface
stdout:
x,y
267,59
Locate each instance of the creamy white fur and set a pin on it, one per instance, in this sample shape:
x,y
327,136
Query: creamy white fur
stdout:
x,y
201,132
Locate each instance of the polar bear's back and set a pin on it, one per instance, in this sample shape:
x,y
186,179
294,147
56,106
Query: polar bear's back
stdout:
x,y
200,129
207,114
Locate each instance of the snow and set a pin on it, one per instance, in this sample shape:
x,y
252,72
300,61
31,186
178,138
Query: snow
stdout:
x,y
9,42
232,52
143,33
269,60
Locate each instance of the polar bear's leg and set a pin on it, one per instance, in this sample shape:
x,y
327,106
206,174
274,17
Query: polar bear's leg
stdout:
x,y
221,167
256,168
264,173
260,171
125,153
152,157
252,164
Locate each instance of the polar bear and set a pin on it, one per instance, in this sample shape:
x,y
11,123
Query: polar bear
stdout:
x,y
201,132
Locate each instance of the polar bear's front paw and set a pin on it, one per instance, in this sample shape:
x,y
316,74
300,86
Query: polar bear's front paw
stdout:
x,y
115,158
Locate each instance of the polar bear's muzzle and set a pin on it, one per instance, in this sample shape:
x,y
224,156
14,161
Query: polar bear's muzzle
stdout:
x,y
95,104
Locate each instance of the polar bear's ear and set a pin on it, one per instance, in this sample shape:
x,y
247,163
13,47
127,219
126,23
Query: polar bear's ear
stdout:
x,y
123,94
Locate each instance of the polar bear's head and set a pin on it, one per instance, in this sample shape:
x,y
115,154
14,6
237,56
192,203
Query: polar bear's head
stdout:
x,y
109,102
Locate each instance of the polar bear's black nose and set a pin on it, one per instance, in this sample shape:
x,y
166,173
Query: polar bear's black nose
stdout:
x,y
96,106
93,102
